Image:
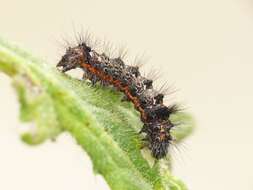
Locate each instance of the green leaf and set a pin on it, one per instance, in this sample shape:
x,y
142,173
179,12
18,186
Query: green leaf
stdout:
x,y
106,128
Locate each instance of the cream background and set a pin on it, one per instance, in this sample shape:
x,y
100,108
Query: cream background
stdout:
x,y
204,48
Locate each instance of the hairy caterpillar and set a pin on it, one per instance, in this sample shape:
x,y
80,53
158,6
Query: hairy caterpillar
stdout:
x,y
136,88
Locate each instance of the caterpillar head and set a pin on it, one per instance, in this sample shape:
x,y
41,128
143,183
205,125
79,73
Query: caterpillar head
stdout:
x,y
74,57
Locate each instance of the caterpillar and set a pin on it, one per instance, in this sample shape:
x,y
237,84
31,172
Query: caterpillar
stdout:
x,y
136,88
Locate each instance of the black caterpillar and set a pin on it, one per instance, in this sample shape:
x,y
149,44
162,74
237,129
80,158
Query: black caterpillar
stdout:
x,y
137,89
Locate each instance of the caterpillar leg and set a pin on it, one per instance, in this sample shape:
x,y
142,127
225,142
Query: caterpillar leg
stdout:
x,y
125,99
144,143
94,79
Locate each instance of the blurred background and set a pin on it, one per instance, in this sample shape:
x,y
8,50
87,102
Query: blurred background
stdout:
x,y
203,48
